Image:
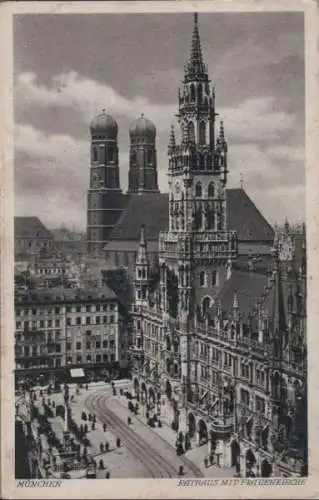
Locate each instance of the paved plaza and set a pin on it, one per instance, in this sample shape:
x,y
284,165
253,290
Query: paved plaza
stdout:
x,y
143,451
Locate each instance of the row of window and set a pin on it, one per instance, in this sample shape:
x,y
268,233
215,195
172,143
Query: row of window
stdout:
x,y
150,155
103,154
91,345
79,320
69,309
98,358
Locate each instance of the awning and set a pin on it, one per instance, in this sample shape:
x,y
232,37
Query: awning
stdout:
x,y
77,372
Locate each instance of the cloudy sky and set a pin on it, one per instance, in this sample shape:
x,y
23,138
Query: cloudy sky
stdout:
x,y
69,67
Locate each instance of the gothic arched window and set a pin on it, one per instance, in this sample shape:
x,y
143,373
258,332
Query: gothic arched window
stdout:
x,y
205,306
202,278
214,278
202,133
191,132
210,220
192,92
211,190
198,219
198,190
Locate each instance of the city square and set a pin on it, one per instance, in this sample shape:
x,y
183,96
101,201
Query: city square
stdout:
x,y
168,339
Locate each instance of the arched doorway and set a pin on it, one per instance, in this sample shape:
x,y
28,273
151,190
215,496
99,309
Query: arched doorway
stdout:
x,y
203,434
191,425
250,463
137,389
266,469
168,390
235,454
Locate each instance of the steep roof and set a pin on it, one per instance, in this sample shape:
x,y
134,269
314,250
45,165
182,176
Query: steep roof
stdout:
x,y
152,210
245,218
30,227
121,285
247,285
149,209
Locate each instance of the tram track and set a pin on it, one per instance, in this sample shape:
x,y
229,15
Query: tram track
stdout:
x,y
155,464
152,461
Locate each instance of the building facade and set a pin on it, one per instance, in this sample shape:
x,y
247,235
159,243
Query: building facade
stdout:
x,y
219,353
57,329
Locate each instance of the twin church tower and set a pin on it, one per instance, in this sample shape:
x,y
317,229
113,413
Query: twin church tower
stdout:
x,y
105,198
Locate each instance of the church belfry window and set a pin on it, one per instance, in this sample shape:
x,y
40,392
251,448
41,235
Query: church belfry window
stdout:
x,y
94,153
110,153
150,156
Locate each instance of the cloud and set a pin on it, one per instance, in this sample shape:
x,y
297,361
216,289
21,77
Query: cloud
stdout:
x,y
52,169
86,96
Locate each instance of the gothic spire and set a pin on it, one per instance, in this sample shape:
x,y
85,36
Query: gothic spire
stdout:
x,y
196,51
195,66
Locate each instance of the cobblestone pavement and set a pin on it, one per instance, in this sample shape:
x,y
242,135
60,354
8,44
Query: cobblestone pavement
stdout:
x,y
144,451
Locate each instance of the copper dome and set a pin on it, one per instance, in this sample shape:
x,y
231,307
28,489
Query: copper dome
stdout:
x,y
143,128
105,125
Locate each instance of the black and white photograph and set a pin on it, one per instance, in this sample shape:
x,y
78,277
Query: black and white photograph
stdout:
x,y
160,246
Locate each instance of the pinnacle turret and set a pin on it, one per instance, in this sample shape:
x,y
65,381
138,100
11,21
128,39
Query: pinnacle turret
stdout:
x,y
221,135
171,142
142,257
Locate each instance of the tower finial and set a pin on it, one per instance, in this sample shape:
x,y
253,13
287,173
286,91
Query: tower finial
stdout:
x,y
241,181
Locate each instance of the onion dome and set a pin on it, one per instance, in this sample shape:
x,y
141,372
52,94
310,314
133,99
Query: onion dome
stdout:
x,y
104,125
143,128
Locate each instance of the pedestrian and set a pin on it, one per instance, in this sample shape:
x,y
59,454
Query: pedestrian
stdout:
x,y
104,427
129,420
211,459
107,475
93,426
107,446
101,447
181,470
118,442
206,462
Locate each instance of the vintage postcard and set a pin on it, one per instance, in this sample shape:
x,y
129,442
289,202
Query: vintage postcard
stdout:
x,y
159,250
